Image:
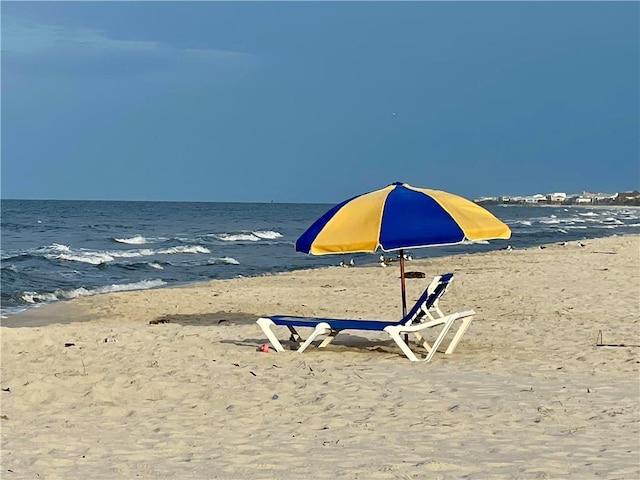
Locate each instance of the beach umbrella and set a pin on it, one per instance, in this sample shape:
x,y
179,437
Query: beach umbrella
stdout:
x,y
398,217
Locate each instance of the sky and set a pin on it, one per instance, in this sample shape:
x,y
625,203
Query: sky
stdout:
x,y
317,101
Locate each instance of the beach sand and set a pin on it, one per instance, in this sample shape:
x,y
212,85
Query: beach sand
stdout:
x,y
527,393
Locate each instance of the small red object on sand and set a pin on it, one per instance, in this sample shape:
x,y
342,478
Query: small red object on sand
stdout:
x,y
264,348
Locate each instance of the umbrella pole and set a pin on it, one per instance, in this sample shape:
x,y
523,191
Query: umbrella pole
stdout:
x,y
404,292
402,284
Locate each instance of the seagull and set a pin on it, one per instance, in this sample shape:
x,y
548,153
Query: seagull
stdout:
x,y
541,247
345,264
580,244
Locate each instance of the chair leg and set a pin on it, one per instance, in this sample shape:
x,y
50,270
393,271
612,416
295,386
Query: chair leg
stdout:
x,y
456,339
395,335
333,334
423,341
295,336
446,322
266,324
321,329
443,333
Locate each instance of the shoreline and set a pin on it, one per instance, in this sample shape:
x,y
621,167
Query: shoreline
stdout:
x,y
74,310
445,251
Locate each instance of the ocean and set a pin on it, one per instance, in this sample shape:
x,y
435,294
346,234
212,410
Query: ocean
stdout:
x,y
57,250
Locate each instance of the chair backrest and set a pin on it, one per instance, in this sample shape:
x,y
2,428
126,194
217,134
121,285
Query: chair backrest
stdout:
x,y
429,297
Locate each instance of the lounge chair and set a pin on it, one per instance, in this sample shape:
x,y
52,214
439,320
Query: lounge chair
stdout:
x,y
411,323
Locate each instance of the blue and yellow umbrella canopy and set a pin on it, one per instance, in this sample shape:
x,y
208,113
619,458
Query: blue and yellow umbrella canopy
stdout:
x,y
399,216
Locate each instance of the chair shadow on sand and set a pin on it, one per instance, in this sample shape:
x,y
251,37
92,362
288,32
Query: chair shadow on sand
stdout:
x,y
207,319
352,343
346,343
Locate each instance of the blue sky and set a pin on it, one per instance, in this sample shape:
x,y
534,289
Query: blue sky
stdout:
x,y
317,102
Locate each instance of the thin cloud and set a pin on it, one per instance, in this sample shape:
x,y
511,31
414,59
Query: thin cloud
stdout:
x,y
29,47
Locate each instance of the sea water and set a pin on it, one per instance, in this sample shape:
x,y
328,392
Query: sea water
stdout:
x,y
57,250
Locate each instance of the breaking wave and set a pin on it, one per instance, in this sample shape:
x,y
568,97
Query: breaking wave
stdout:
x,y
35,297
99,257
137,240
228,260
254,236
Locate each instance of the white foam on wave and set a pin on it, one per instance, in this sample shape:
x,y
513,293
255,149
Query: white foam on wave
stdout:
x,y
155,265
94,258
148,252
141,285
238,237
182,249
254,236
267,234
34,297
143,252
136,240
55,247
474,242
97,257
228,260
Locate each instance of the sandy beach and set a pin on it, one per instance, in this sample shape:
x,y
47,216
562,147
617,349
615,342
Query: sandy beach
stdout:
x,y
92,389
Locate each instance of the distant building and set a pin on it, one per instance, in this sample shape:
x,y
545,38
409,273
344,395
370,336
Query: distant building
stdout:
x,y
629,198
606,196
486,199
557,197
595,197
533,198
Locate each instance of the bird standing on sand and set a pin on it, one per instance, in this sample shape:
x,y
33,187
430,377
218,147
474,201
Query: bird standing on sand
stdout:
x,y
384,261
350,264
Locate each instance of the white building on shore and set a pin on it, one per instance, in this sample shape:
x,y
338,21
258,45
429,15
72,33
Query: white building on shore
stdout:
x,y
557,197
